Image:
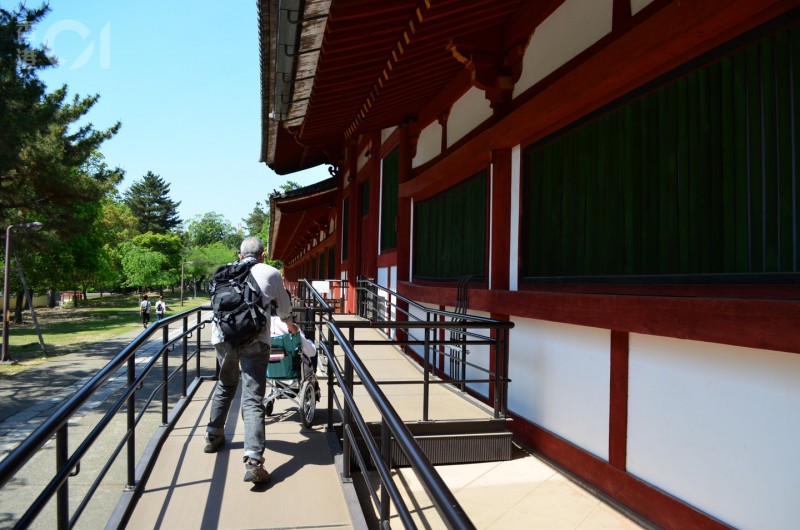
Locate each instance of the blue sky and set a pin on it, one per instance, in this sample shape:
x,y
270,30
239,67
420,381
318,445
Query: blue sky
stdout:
x,y
183,78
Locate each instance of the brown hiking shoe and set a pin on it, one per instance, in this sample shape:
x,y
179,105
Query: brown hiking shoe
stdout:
x,y
255,472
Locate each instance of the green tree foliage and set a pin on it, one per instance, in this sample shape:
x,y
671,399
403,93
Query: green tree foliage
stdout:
x,y
257,221
170,247
142,267
50,167
21,93
46,158
206,259
149,201
289,186
209,228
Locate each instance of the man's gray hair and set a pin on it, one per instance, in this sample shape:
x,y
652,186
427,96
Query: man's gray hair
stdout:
x,y
251,246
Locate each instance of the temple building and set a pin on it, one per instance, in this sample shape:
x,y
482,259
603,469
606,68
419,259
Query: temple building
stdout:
x,y
618,178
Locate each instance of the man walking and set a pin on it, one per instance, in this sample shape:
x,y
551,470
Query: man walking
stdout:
x,y
250,360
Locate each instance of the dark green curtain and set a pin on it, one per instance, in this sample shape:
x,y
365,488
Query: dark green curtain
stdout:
x,y
450,232
699,176
389,191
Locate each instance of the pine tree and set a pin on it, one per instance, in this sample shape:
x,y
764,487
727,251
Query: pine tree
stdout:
x,y
149,202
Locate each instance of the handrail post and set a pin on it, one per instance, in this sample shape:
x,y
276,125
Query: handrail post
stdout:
x,y
197,355
165,379
184,355
131,425
330,377
504,402
386,454
426,374
346,420
498,371
62,496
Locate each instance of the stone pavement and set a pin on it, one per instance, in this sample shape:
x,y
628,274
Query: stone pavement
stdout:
x,y
31,396
28,398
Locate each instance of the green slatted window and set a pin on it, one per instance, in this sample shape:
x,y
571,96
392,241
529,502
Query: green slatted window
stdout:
x,y
450,232
345,228
389,191
697,177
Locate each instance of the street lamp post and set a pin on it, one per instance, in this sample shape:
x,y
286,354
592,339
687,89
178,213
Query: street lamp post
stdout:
x,y
182,265
7,284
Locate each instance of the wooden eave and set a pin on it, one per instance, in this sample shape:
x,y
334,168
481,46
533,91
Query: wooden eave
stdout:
x,y
297,216
380,64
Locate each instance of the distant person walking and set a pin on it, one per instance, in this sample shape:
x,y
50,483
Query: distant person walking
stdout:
x,y
248,359
161,308
144,309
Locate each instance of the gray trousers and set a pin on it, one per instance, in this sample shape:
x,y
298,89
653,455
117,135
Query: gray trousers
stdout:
x,y
252,359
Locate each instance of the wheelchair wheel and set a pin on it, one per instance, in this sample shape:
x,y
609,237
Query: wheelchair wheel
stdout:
x,y
308,403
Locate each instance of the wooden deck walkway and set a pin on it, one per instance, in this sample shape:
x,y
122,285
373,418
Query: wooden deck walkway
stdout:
x,y
189,489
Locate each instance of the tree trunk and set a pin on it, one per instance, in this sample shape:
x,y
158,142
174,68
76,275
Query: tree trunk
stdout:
x,y
19,307
51,298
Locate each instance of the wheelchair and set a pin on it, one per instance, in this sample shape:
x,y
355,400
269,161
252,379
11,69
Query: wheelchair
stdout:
x,y
290,374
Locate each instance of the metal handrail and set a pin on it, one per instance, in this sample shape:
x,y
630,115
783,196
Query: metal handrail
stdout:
x,y
498,378
392,425
58,423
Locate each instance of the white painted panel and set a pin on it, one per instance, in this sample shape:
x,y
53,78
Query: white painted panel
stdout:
x,y
362,159
491,221
718,425
638,5
386,133
383,277
467,113
513,258
429,144
411,243
380,209
569,30
560,380
478,355
417,314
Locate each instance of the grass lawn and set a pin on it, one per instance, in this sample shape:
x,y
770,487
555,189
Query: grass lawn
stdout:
x,y
68,329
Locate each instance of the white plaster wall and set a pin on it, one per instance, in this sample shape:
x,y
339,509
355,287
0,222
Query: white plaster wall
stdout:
x,y
478,355
638,5
468,112
361,161
386,133
411,242
560,380
387,277
569,30
429,144
513,259
718,425
418,334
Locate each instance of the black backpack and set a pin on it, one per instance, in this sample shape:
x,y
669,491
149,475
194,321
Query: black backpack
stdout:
x,y
237,302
